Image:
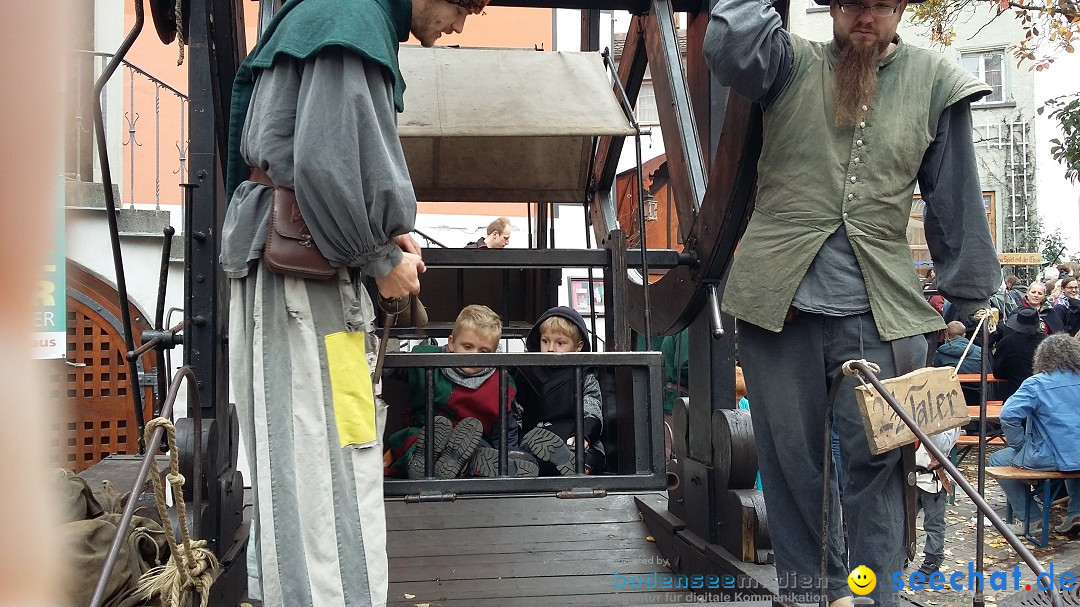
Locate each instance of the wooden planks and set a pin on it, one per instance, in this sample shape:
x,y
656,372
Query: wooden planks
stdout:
x,y
524,551
511,512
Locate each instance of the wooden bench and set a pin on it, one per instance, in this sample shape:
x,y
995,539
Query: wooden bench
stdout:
x,y
993,411
973,441
966,442
963,445
971,378
1035,479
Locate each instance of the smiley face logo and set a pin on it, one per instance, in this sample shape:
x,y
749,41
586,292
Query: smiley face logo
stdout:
x,y
862,580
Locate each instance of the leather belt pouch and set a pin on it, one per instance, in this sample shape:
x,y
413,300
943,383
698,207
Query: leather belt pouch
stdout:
x,y
290,250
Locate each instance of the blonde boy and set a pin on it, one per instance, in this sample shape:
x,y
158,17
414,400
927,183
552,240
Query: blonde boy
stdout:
x,y
467,401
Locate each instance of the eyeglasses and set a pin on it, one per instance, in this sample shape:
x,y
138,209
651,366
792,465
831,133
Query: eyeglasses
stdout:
x,y
878,10
1071,288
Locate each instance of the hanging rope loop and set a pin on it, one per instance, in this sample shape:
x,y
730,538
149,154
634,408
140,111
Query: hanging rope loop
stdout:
x,y
179,31
192,565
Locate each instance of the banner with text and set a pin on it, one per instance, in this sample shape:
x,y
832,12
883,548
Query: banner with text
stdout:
x,y
50,318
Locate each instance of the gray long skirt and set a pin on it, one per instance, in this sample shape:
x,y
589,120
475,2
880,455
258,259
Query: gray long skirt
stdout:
x,y
300,353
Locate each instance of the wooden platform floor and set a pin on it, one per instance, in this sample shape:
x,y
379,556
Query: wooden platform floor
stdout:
x,y
517,551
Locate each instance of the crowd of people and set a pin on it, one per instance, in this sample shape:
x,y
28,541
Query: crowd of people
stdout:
x,y
1035,352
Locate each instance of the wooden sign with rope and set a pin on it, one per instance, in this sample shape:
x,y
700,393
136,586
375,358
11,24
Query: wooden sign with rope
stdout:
x,y
932,397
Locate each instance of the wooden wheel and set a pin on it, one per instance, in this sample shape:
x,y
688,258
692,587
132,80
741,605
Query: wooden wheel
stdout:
x,y
734,451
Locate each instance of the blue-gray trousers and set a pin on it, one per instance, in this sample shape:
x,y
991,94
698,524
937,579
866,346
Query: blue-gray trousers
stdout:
x,y
788,376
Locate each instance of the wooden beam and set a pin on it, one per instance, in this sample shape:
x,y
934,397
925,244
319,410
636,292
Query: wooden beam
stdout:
x,y
631,71
686,165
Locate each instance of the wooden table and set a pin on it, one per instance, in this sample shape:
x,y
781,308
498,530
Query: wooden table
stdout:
x,y
974,378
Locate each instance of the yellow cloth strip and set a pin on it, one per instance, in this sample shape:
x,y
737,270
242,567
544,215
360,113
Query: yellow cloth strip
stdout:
x,y
350,384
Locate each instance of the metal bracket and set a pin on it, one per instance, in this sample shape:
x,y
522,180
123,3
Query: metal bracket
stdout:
x,y
148,378
167,339
714,311
580,494
425,497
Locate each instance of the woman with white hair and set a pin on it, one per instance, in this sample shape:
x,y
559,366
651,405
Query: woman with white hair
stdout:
x,y
1040,422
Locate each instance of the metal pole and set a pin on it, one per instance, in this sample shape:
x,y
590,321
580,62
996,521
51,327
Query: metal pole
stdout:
x,y
641,237
129,509
110,204
980,531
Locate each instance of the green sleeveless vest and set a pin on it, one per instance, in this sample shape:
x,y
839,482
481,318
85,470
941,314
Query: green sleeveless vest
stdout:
x,y
814,176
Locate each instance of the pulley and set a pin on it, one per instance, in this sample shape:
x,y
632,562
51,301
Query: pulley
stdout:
x,y
164,14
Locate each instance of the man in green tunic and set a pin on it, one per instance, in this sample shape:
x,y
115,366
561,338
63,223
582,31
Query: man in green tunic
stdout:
x,y
850,126
314,111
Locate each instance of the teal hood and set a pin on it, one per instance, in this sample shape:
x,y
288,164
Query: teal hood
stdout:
x,y
372,29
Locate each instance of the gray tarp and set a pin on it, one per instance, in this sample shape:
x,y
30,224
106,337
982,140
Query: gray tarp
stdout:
x,y
504,125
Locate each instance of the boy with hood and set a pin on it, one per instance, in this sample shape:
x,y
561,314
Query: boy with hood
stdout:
x,y
547,398
466,409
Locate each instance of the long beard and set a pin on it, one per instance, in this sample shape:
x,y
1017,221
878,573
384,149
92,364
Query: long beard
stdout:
x,y
856,81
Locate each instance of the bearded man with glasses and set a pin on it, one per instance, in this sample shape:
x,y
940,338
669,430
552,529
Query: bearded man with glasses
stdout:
x,y
850,126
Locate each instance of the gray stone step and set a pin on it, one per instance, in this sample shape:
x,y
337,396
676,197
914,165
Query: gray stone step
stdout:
x,y
88,198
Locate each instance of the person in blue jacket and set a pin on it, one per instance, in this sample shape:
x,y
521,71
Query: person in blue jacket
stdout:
x,y
1040,421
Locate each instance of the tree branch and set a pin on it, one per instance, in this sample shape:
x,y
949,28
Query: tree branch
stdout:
x,y
1071,14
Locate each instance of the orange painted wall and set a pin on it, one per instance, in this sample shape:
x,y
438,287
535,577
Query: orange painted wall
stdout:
x,y
501,27
149,54
497,27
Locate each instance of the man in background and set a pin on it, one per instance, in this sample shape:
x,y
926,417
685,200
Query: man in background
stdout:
x,y
498,236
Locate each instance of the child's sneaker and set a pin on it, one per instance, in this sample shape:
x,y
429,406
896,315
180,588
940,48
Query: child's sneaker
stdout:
x,y
442,428
459,448
550,447
518,463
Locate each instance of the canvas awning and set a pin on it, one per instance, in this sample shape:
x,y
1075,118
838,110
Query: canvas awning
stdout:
x,y
500,125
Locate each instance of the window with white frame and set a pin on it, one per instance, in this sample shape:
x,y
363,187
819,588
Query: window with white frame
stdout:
x,y
645,108
988,66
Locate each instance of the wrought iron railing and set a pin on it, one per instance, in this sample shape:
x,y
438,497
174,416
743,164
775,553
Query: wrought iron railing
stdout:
x,y
137,103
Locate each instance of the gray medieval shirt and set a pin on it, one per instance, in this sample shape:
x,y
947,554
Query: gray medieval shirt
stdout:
x,y
353,189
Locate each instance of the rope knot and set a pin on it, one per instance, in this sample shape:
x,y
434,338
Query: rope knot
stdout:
x,y
853,372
